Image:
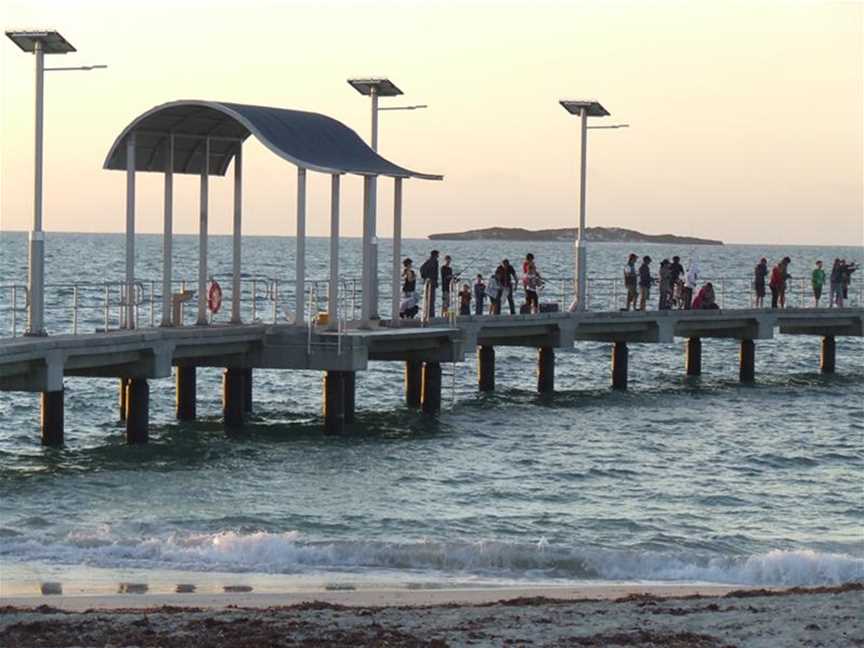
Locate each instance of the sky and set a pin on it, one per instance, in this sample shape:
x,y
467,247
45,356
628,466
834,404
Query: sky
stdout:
x,y
746,118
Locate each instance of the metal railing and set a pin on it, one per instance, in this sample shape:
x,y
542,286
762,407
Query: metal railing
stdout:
x,y
93,307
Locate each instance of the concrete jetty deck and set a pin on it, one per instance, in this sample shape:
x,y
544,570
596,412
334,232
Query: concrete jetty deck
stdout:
x,y
39,364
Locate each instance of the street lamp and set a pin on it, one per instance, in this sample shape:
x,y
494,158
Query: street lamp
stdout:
x,y
373,88
40,42
584,109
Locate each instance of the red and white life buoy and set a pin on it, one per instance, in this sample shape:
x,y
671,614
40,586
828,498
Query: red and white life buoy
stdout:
x,y
214,297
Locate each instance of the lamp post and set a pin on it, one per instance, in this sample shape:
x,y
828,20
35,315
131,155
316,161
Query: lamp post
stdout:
x,y
373,88
40,43
584,109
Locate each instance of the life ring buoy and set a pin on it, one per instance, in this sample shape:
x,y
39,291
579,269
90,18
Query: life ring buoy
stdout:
x,y
214,297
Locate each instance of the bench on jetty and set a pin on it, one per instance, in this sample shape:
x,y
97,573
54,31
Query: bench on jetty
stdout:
x,y
39,364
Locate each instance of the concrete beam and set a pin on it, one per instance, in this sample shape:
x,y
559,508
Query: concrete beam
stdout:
x,y
187,393
52,423
233,397
620,362
486,368
334,402
545,370
747,362
431,388
693,357
137,411
828,357
413,383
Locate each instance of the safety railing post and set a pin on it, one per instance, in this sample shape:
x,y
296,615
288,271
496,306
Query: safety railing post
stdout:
x,y
14,309
275,297
75,309
152,305
254,299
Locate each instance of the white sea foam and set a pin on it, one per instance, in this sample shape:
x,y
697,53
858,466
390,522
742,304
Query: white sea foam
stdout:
x,y
289,553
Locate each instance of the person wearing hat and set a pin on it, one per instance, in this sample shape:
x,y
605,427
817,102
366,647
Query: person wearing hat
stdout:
x,y
645,282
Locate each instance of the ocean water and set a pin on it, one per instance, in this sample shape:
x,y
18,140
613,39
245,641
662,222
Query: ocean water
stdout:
x,y
674,480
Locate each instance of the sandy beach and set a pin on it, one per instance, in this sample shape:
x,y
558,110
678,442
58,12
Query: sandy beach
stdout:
x,y
673,616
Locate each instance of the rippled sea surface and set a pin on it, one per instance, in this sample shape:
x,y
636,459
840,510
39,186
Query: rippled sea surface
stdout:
x,y
705,481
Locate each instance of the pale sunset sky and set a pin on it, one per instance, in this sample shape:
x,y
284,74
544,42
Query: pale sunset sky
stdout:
x,y
746,117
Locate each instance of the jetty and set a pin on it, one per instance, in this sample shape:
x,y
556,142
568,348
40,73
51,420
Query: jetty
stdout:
x,y
205,139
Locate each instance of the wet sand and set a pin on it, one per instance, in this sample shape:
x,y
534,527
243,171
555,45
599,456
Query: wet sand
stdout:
x,y
608,616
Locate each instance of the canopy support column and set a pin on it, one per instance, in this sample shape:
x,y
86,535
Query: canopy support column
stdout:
x,y
130,231
370,252
168,232
333,295
397,249
236,289
300,283
202,237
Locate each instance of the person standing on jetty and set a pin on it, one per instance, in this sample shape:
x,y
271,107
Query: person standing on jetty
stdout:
x,y
759,274
509,284
446,281
676,271
531,280
645,282
692,281
846,277
479,294
465,300
665,286
630,281
408,305
817,278
429,275
494,290
779,278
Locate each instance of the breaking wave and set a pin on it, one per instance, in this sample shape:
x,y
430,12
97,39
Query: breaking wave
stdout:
x,y
289,553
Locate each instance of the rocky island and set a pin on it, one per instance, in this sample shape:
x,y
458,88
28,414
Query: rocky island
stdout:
x,y
593,234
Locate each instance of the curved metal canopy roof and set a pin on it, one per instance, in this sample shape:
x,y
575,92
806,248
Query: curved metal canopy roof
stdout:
x,y
309,140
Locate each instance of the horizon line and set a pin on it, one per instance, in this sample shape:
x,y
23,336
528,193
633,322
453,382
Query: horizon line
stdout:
x,y
325,236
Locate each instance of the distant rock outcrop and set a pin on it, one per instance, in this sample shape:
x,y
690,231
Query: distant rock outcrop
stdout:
x,y
594,234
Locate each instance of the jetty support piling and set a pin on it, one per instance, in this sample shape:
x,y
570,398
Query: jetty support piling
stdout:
x,y
124,386
247,390
413,382
431,388
828,358
52,418
349,380
137,411
693,358
620,360
486,368
334,401
747,362
187,392
233,397
546,370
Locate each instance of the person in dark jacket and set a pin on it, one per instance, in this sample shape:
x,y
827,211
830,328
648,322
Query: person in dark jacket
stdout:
x,y
429,275
509,285
446,280
479,294
645,282
759,274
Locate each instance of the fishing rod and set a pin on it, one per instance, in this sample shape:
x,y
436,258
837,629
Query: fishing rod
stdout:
x,y
465,266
